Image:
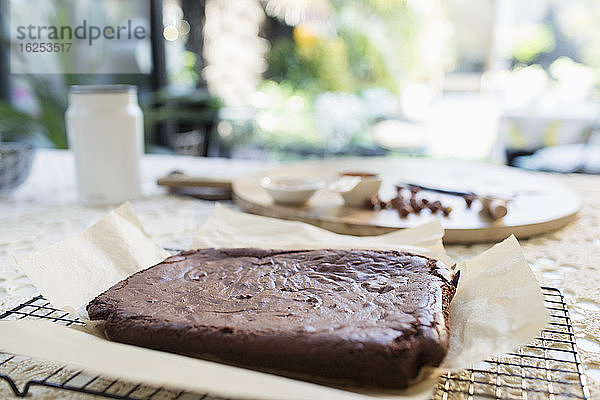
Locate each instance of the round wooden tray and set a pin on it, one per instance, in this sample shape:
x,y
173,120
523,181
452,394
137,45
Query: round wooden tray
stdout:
x,y
540,203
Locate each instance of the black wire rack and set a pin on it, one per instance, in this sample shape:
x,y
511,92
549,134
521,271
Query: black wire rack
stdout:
x,y
548,368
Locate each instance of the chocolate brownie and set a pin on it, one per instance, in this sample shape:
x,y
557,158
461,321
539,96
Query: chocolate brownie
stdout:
x,y
352,317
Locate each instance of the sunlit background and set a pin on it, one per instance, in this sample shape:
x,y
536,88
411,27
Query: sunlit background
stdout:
x,y
291,79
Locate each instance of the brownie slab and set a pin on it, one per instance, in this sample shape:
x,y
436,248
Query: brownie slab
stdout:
x,y
350,317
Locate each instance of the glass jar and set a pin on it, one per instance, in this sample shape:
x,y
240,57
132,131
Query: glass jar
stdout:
x,y
105,132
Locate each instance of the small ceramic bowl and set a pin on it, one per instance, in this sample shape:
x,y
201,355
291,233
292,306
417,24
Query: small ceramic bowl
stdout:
x,y
291,191
356,188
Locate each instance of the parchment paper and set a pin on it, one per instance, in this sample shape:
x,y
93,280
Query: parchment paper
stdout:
x,y
229,228
73,272
498,305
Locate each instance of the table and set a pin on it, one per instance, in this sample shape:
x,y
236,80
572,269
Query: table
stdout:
x,y
46,210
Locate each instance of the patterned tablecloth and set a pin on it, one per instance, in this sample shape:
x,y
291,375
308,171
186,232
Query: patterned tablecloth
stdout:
x,y
45,210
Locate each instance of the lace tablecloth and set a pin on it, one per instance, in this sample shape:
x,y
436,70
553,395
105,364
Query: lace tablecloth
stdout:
x,y
45,210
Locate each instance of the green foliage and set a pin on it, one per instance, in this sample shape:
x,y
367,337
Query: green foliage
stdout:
x,y
325,67
364,44
332,66
368,65
50,93
194,106
535,40
188,75
285,64
49,121
288,118
369,44
15,123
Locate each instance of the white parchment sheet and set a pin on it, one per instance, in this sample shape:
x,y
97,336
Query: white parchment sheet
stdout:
x,y
497,307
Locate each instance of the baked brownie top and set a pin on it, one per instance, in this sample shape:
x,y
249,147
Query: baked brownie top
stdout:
x,y
318,297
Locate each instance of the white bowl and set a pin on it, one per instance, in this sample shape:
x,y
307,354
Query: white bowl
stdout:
x,y
291,191
356,188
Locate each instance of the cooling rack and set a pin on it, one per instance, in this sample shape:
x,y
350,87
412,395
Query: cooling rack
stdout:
x,y
548,368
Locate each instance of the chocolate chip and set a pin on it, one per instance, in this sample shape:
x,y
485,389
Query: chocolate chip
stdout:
x,y
404,210
374,203
397,202
469,199
416,205
435,206
370,204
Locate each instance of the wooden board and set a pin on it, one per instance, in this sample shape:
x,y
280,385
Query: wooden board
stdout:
x,y
541,203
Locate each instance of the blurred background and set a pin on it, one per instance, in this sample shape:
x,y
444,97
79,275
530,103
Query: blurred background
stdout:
x,y
497,80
